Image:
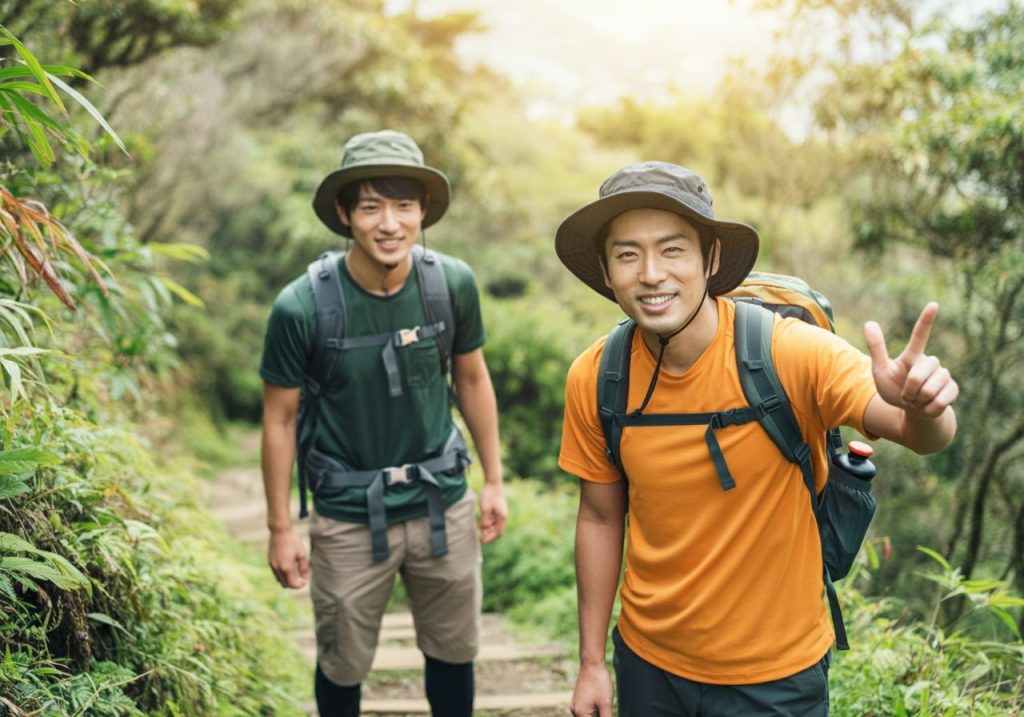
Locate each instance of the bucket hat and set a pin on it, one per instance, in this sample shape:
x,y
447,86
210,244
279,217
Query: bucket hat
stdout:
x,y
385,153
654,185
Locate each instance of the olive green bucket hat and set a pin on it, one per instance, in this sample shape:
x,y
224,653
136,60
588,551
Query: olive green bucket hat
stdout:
x,y
381,154
654,185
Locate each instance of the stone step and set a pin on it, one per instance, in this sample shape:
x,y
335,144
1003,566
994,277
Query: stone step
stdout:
x,y
482,703
399,657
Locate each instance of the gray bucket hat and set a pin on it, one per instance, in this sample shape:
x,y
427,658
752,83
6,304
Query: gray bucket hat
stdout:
x,y
654,185
381,154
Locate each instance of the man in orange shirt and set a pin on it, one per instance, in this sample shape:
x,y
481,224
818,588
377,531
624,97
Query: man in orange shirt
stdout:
x,y
722,611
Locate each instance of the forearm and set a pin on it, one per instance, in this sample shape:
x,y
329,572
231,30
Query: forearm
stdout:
x,y
598,564
923,434
480,410
912,429
277,458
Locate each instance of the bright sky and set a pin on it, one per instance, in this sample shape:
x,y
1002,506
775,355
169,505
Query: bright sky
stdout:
x,y
571,53
568,53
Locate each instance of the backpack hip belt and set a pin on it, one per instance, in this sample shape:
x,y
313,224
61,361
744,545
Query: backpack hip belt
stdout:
x,y
329,476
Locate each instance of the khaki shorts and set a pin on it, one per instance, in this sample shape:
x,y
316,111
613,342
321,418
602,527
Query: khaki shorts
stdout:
x,y
350,591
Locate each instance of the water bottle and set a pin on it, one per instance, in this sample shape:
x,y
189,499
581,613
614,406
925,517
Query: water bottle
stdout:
x,y
856,462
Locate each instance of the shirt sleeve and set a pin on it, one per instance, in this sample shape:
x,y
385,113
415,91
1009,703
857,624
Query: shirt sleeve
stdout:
x,y
583,446
831,378
469,324
289,337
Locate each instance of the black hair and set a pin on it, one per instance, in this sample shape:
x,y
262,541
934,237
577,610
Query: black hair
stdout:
x,y
389,187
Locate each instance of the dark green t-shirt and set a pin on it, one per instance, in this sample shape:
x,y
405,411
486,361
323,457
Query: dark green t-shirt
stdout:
x,y
359,423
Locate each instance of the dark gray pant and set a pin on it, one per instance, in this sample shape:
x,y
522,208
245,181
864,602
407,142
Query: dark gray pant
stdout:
x,y
648,691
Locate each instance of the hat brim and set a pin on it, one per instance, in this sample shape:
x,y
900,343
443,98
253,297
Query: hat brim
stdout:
x,y
435,183
574,240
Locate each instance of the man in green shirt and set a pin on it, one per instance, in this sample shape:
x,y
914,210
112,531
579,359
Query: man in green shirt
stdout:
x,y
385,417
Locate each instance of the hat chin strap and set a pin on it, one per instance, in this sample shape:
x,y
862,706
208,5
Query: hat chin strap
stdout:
x,y
663,340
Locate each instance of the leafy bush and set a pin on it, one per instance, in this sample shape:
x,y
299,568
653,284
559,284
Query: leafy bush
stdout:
x,y
108,609
529,573
899,664
530,346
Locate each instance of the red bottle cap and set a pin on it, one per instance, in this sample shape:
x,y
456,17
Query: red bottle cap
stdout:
x,y
860,448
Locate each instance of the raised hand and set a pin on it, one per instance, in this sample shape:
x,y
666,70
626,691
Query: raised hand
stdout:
x,y
913,381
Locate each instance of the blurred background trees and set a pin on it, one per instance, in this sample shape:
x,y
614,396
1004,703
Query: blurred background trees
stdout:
x,y
880,157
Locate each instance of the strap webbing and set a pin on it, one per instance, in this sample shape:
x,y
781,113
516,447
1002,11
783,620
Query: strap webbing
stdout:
x,y
330,323
437,303
330,476
762,387
613,388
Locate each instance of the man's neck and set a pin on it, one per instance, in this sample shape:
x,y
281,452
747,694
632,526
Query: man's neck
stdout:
x,y
377,278
686,347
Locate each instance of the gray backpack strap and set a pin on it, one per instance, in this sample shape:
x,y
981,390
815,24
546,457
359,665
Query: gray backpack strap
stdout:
x,y
329,476
437,302
762,388
613,388
330,328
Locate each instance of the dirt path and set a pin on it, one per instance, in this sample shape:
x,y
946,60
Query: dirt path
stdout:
x,y
513,678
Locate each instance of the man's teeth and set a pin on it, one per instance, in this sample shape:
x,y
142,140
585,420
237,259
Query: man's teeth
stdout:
x,y
655,300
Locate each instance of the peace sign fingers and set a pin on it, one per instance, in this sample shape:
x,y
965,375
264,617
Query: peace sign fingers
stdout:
x,y
919,336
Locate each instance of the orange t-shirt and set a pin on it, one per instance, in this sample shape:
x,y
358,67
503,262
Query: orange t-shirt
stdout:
x,y
722,587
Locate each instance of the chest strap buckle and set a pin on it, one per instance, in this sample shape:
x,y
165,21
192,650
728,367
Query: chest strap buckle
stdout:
x,y
408,336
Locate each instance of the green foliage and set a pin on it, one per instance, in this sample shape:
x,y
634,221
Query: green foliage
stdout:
x,y
528,357
110,603
932,122
105,33
106,603
901,666
529,573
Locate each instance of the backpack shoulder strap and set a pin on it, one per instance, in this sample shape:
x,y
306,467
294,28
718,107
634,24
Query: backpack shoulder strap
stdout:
x,y
330,318
437,302
329,300
762,388
613,387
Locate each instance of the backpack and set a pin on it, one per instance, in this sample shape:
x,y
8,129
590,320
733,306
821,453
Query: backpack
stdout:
x,y
846,506
326,475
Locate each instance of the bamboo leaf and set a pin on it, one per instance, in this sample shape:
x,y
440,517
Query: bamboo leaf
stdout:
x,y
30,111
935,556
14,374
22,86
180,251
34,65
182,293
1007,619
872,555
80,99
7,73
